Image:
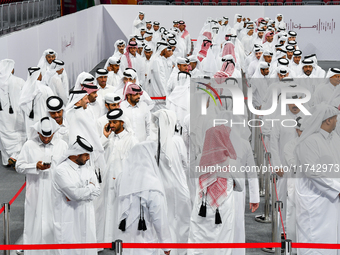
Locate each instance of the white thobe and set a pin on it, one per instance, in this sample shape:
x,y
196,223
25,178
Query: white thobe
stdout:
x,y
139,116
260,87
269,46
246,158
309,82
62,132
59,87
196,73
38,221
118,146
248,44
158,79
137,64
155,215
97,108
74,220
323,93
317,195
279,137
12,128
291,160
176,191
187,42
107,89
39,106
252,68
204,229
113,79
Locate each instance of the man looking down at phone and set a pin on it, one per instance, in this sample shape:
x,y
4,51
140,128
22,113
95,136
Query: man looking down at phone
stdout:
x,y
119,140
35,160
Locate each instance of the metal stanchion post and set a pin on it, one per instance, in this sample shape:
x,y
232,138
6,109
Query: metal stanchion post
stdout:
x,y
260,164
274,217
117,247
288,247
277,232
265,218
6,225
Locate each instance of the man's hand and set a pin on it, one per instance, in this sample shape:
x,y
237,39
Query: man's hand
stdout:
x,y
105,132
41,166
280,172
167,252
59,72
253,206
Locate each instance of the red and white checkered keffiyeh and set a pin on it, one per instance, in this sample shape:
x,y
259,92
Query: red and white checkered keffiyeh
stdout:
x,y
217,149
204,50
215,189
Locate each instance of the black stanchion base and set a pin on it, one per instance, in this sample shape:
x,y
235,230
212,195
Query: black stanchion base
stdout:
x,y
263,219
271,250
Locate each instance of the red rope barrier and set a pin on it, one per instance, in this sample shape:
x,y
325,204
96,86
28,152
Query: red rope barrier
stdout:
x,y
158,98
167,246
55,246
15,197
199,245
17,194
316,246
140,246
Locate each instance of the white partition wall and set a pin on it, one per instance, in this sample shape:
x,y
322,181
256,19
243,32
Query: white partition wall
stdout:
x,y
77,39
85,38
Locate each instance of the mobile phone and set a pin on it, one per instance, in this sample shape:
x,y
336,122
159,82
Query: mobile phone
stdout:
x,y
108,127
46,164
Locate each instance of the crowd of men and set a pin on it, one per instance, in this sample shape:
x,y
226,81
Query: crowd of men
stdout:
x,y
110,157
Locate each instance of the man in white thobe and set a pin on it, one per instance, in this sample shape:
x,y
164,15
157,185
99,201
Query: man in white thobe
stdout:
x,y
46,60
119,48
118,139
184,35
131,59
114,74
279,137
137,112
38,159
55,109
74,187
213,216
102,79
33,98
12,128
56,79
159,74
308,77
173,167
142,209
292,161
112,101
246,158
317,192
324,92
260,83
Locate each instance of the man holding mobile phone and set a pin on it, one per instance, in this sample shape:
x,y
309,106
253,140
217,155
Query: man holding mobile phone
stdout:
x,y
35,160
